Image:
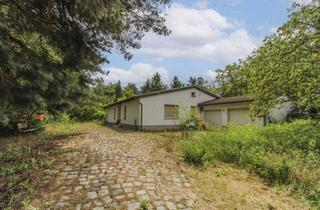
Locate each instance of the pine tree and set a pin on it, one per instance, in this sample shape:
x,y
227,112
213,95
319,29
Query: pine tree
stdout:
x,y
50,49
118,91
176,83
192,81
156,83
146,87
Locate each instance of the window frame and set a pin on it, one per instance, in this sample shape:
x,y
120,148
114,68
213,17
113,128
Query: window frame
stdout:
x,y
166,117
193,94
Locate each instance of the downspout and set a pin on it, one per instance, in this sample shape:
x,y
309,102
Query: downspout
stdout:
x,y
141,116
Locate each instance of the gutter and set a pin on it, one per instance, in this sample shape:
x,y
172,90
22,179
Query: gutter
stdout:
x,y
141,116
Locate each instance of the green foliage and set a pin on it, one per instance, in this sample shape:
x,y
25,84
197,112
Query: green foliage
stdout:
x,y
130,90
49,50
231,81
285,67
153,84
176,83
287,154
88,111
118,91
144,205
19,163
199,81
194,153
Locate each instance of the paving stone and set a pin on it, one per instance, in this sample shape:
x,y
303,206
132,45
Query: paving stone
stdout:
x,y
78,207
134,206
98,208
171,205
160,208
115,192
107,199
104,192
118,170
141,192
91,195
158,203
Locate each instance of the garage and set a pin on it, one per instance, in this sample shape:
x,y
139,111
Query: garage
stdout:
x,y
229,110
213,117
239,116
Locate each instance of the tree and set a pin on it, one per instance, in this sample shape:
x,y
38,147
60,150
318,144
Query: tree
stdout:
x,y
50,49
130,90
118,91
199,81
192,81
176,83
146,87
156,83
286,66
232,80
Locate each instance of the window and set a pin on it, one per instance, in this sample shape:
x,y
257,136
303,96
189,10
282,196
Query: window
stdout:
x,y
193,94
171,112
114,113
124,112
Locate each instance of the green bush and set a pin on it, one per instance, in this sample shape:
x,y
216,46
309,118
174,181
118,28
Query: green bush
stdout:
x,y
194,153
88,112
286,153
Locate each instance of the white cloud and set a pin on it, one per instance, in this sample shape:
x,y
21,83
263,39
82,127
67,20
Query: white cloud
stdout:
x,y
211,74
303,2
199,34
137,73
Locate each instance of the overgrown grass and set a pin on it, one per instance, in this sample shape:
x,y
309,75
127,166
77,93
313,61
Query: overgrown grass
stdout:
x,y
19,163
283,154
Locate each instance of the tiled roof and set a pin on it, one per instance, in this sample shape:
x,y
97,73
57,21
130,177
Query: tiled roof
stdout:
x,y
227,100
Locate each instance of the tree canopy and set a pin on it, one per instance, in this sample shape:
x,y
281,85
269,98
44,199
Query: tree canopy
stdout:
x,y
50,49
176,83
285,67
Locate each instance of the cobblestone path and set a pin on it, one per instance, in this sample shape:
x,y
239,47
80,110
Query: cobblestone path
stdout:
x,y
117,170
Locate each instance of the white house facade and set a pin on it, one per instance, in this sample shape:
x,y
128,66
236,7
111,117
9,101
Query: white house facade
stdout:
x,y
158,110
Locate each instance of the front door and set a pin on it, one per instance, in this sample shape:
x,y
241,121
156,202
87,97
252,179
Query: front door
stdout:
x,y
119,114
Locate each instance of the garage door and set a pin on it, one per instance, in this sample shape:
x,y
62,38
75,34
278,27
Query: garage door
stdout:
x,y
239,116
213,117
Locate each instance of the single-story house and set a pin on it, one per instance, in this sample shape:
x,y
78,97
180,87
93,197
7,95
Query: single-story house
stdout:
x,y
159,110
235,110
163,110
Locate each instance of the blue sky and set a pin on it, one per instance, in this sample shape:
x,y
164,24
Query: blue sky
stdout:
x,y
206,35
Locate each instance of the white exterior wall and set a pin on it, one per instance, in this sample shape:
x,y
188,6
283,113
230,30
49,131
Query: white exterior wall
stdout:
x,y
153,106
133,113
110,114
225,113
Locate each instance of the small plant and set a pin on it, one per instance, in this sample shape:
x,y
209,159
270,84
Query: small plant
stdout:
x,y
144,205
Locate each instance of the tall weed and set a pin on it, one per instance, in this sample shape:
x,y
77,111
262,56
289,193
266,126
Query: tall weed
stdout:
x,y
287,153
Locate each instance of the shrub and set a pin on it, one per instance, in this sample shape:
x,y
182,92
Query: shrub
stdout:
x,y
286,153
194,153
